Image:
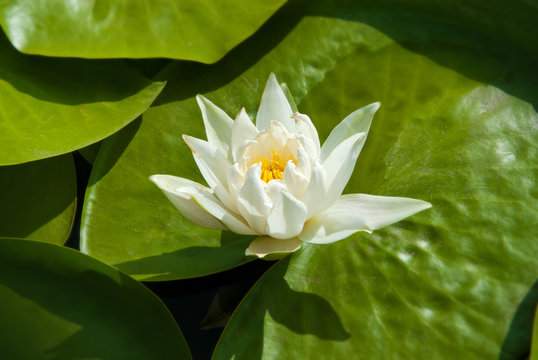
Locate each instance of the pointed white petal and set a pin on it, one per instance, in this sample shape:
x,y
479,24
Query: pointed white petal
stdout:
x,y
206,200
358,212
315,192
272,249
252,201
305,127
171,187
243,130
274,106
339,166
218,125
288,95
287,217
213,165
356,122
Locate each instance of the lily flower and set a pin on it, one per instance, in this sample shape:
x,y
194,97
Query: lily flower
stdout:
x,y
274,180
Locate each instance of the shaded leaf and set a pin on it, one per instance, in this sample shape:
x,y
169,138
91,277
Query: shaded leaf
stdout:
x,y
59,304
89,153
534,345
38,199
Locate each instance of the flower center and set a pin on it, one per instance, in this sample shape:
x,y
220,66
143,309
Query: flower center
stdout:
x,y
272,169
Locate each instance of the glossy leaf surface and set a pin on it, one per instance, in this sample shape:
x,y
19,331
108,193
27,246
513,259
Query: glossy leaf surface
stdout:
x,y
54,106
59,304
38,199
190,29
457,128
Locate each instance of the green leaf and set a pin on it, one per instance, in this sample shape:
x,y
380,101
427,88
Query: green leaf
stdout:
x,y
456,128
38,199
56,303
190,29
54,106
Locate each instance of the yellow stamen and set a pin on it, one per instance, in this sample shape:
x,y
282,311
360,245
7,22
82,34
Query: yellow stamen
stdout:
x,y
273,169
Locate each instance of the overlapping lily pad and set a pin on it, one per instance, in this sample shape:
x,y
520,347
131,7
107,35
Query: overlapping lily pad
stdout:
x,y
38,199
457,128
189,29
59,304
54,106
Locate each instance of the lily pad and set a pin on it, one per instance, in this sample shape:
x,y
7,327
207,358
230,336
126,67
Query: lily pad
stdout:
x,y
38,199
431,79
190,29
51,106
57,303
456,128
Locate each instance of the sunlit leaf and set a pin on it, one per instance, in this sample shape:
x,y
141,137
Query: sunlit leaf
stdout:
x,y
457,128
189,29
54,106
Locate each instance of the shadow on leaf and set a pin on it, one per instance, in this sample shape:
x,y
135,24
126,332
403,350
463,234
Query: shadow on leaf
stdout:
x,y
292,314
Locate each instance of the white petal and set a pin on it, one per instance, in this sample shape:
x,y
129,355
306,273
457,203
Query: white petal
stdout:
x,y
172,185
265,245
209,202
356,122
304,162
339,166
213,165
308,146
274,188
235,180
315,192
252,201
305,127
287,217
243,130
294,181
274,106
358,212
218,125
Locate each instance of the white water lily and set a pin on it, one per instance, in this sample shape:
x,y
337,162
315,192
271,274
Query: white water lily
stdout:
x,y
274,180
